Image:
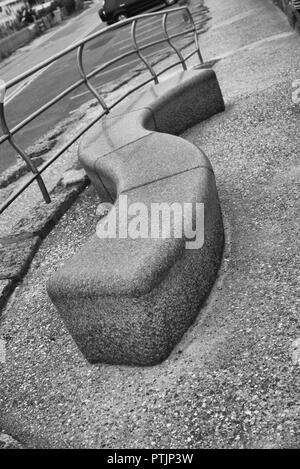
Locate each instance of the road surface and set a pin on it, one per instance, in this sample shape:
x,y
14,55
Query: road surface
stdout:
x,y
31,94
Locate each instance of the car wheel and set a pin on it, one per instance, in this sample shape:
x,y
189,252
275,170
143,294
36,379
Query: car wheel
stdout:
x,y
122,16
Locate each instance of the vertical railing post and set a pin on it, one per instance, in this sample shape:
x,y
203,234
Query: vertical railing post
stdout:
x,y
178,52
136,47
16,147
86,80
8,134
196,39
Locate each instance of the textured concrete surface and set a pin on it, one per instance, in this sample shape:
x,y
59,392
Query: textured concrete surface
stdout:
x,y
122,299
196,96
113,133
16,256
178,102
18,248
233,381
6,288
16,171
129,301
122,170
7,442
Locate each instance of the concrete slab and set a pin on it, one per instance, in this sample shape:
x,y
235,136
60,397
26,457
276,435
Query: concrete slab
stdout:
x,y
192,100
6,286
195,90
16,257
106,137
132,166
126,156
129,301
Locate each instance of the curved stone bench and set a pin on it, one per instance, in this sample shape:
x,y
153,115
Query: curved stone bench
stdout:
x,y
129,301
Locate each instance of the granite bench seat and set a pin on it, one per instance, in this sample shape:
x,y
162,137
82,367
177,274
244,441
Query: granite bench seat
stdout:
x,y
129,301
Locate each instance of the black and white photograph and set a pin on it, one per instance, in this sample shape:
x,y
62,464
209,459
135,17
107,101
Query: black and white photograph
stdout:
x,y
149,227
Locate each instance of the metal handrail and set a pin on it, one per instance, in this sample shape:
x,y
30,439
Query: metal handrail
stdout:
x,y
138,51
165,30
85,80
141,48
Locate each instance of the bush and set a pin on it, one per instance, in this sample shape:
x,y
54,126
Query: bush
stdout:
x,y
69,5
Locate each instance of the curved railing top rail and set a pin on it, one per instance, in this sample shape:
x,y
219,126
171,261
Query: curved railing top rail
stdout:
x,y
8,134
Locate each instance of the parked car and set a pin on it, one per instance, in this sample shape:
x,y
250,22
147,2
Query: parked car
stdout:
x,y
112,11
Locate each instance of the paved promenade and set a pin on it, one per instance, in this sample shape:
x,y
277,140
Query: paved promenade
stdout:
x,y
233,381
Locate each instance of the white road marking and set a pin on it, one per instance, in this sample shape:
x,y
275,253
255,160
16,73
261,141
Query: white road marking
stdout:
x,y
138,34
144,28
24,85
139,39
115,68
136,61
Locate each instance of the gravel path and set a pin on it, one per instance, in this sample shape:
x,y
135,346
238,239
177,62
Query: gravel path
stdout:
x,y
233,381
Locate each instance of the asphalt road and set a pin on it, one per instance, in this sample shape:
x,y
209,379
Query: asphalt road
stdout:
x,y
24,100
